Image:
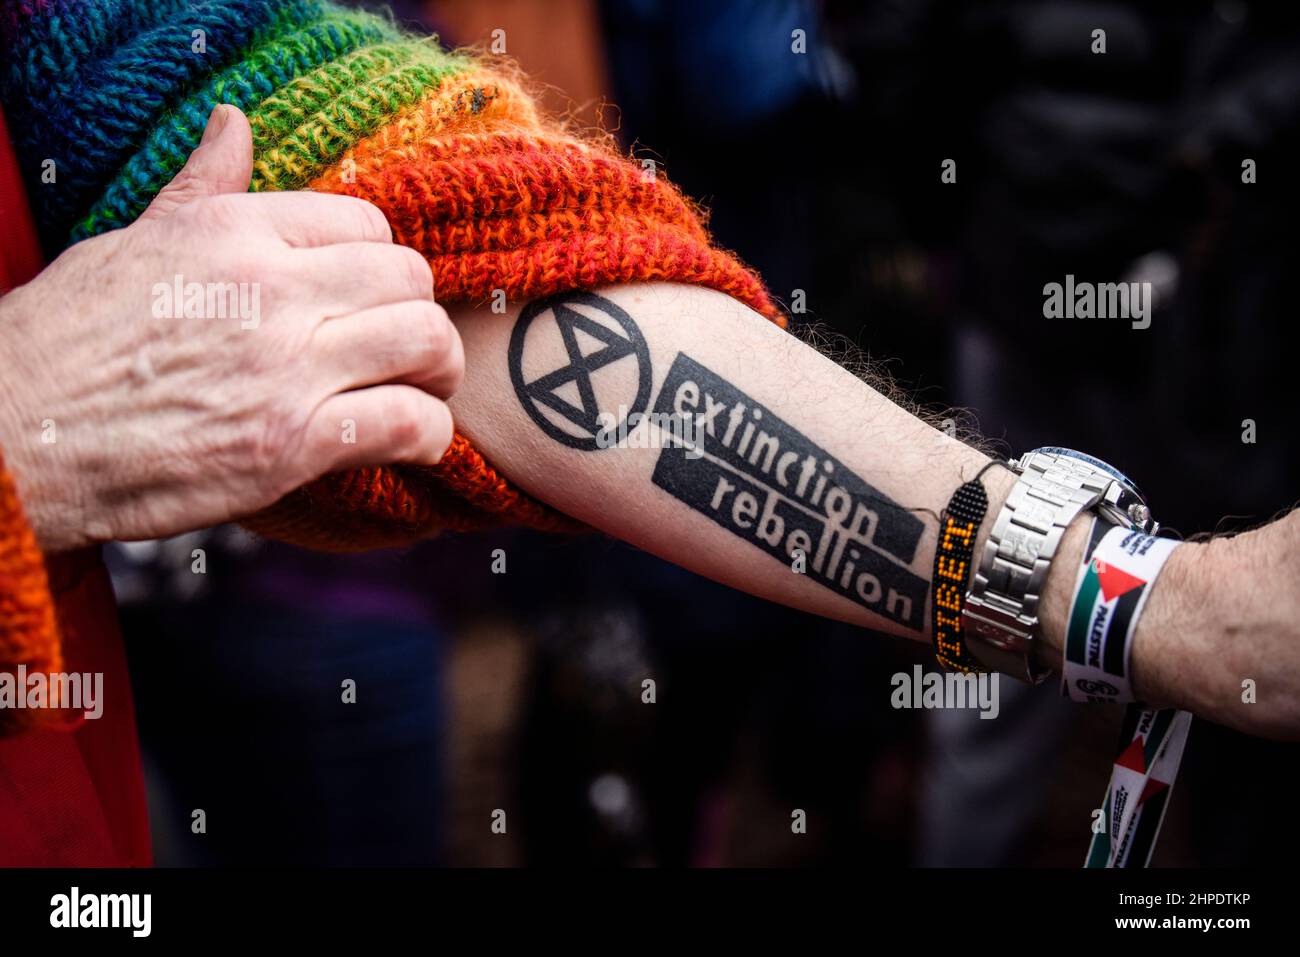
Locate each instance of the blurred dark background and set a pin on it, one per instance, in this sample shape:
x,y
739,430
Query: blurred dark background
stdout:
x,y
523,691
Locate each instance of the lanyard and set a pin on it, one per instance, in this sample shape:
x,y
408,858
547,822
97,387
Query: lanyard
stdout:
x,y
1119,567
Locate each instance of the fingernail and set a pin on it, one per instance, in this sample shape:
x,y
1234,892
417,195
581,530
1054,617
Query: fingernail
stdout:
x,y
216,122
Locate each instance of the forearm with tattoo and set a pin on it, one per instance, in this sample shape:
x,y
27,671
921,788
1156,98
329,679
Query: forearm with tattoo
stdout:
x,y
678,420
748,456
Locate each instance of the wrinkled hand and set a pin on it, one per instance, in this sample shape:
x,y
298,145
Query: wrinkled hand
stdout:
x,y
124,415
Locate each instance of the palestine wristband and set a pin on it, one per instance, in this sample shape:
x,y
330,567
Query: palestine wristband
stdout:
x,y
1119,566
959,524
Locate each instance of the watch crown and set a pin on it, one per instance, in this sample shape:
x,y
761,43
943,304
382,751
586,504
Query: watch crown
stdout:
x,y
1140,514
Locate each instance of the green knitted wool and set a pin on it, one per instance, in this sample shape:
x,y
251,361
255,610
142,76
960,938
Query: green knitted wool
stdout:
x,y
307,125
310,93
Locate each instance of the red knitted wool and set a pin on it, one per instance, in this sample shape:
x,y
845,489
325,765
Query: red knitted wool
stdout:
x,y
521,207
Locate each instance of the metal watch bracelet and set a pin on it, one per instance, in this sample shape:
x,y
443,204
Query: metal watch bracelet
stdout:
x,y
1000,617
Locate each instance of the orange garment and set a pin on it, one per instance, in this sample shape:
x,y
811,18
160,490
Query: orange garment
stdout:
x,y
71,794
497,197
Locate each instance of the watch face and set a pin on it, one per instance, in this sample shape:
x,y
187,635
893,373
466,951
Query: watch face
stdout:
x,y
1130,506
1097,463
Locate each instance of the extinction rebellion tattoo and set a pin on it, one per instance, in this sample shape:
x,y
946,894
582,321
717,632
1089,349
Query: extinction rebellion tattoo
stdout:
x,y
727,457
765,482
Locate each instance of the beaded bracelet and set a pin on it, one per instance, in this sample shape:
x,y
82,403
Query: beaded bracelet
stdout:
x,y
958,525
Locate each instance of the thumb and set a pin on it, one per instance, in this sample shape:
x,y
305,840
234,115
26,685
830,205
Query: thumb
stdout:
x,y
222,163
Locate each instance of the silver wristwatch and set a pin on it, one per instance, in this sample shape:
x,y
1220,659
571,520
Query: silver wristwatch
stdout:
x,y
1000,617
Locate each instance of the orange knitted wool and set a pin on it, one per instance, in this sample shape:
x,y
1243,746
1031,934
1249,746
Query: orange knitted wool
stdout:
x,y
496,197
448,144
29,634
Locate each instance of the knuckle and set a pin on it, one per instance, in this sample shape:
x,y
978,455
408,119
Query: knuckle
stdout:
x,y
414,270
370,221
439,354
442,428
452,366
434,330
456,358
406,424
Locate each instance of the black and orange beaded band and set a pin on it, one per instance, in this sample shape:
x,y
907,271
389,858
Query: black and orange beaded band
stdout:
x,y
959,524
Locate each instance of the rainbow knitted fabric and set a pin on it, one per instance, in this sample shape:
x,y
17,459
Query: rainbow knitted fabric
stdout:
x,y
448,144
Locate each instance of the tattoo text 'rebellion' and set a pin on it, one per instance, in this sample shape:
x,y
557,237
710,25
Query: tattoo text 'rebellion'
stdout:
x,y
744,468
765,482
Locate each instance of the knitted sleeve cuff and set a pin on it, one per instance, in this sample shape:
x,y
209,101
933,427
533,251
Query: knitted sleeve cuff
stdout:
x,y
449,145
497,200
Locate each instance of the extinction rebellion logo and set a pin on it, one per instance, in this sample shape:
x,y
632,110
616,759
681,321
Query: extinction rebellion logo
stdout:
x,y
566,402
759,478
